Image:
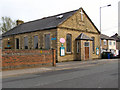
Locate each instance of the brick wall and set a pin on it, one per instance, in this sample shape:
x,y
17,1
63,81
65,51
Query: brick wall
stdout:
x,y
13,59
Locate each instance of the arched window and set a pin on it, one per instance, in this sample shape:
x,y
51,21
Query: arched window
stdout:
x,y
93,44
17,43
25,42
68,42
35,42
47,41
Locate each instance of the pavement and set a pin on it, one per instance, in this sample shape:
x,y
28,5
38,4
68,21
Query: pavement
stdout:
x,y
59,66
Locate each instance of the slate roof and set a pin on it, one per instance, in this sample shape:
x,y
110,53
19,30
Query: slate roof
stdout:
x,y
82,36
116,37
103,36
40,24
43,24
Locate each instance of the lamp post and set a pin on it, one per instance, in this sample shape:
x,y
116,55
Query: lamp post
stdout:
x,y
100,25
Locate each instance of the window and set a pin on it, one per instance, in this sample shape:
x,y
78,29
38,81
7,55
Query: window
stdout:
x,y
114,43
47,41
78,50
93,44
17,43
105,42
110,43
86,44
68,42
25,42
35,42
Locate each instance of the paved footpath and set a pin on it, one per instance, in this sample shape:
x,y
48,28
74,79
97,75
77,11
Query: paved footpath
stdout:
x,y
59,66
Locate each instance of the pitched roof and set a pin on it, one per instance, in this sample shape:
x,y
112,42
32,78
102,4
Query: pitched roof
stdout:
x,y
103,36
116,37
43,24
82,36
40,24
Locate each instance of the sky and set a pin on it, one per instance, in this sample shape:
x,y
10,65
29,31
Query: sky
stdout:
x,y
29,10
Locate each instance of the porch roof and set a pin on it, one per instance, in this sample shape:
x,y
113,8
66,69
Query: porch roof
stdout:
x,y
82,36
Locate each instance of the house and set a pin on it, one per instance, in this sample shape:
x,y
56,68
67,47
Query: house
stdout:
x,y
72,34
108,44
117,38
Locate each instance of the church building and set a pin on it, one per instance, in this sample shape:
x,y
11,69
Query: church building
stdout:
x,y
72,34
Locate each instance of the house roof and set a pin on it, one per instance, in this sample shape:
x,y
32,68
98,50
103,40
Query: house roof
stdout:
x,y
103,36
82,36
40,24
116,37
43,24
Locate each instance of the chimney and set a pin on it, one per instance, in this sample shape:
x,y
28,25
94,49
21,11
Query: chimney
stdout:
x,y
18,22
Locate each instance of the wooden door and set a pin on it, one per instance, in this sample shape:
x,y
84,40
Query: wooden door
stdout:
x,y
86,53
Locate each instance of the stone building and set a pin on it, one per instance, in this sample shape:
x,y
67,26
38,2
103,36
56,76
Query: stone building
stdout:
x,y
82,38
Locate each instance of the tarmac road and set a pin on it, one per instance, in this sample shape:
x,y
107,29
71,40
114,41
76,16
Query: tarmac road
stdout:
x,y
90,75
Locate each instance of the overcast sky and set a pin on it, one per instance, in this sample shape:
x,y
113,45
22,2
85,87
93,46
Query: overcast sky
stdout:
x,y
28,10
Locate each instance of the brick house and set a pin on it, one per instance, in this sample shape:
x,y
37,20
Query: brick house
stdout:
x,y
108,44
117,38
82,38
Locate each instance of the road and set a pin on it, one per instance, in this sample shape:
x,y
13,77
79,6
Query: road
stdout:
x,y
95,75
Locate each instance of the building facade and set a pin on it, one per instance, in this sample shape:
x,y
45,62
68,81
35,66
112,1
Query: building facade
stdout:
x,y
108,44
80,35
117,38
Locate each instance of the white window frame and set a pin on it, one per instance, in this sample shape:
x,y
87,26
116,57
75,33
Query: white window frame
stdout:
x,y
110,43
105,42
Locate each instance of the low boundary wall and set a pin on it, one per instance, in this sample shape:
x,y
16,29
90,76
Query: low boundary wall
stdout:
x,y
14,59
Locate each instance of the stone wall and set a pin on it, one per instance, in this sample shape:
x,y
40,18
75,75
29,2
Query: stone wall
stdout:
x,y
72,56
14,59
41,40
75,26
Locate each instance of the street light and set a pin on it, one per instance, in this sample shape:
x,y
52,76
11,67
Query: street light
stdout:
x,y
100,14
100,24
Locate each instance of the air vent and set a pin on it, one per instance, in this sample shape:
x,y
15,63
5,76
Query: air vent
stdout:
x,y
60,16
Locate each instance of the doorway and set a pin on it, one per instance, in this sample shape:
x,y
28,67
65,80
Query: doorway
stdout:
x,y
87,50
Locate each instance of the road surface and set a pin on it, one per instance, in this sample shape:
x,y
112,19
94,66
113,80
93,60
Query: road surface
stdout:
x,y
94,75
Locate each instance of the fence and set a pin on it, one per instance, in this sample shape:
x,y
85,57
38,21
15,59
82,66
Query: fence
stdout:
x,y
14,59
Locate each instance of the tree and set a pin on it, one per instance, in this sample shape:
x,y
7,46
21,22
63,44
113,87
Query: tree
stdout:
x,y
6,24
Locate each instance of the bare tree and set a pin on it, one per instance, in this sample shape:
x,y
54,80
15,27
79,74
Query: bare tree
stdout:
x,y
6,24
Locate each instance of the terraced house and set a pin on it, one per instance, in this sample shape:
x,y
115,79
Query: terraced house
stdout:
x,y
108,44
82,38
